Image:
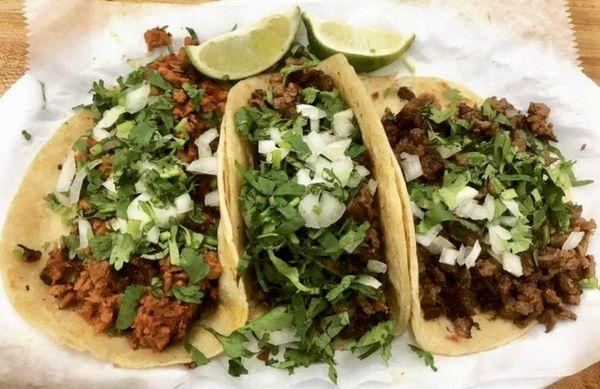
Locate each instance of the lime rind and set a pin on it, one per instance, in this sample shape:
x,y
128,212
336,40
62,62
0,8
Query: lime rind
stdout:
x,y
366,50
248,51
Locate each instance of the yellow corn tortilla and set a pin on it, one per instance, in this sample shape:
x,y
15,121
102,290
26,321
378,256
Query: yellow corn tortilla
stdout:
x,y
437,335
237,149
31,222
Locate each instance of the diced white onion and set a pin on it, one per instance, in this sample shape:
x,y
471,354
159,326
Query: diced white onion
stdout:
x,y
118,225
411,166
310,111
137,99
508,221
368,280
184,203
472,256
110,185
204,140
337,150
573,240
67,172
449,256
427,238
303,177
498,236
76,185
100,134
320,212
204,165
490,206
266,146
164,215
153,235
512,264
315,142
342,123
284,336
212,199
207,136
204,150
372,186
84,228
465,194
134,212
513,207
416,210
376,266
471,209
109,117
438,244
147,165
274,134
342,169
362,171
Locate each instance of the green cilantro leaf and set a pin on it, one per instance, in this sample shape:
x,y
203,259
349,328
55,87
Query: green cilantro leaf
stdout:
x,y
426,356
197,356
122,249
194,264
188,294
291,273
128,308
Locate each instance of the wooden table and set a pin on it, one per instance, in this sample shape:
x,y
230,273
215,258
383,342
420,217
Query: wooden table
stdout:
x,y
586,18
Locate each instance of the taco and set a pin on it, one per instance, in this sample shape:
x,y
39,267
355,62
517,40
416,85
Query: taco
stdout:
x,y
115,224
495,246
313,214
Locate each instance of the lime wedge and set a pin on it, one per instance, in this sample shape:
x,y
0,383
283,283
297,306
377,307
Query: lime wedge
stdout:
x,y
365,49
247,51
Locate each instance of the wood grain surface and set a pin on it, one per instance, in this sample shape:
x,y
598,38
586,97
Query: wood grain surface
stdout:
x,y
586,21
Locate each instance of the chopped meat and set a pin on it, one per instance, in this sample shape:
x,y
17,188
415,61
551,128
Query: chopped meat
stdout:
x,y
371,307
417,143
312,78
64,293
59,269
159,322
172,275
285,97
98,295
362,207
516,118
210,257
463,326
157,37
257,98
537,120
482,127
411,116
405,93
30,255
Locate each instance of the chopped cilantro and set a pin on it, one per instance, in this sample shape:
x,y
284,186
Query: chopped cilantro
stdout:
x,y
188,294
426,356
128,308
196,355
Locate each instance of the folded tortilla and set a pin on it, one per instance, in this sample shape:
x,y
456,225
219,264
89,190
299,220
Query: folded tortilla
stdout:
x,y
237,149
436,335
31,222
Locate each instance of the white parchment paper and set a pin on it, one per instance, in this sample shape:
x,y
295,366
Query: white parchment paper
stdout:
x,y
74,42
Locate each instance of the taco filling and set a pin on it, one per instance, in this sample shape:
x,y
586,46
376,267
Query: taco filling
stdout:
x,y
315,248
139,194
494,231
